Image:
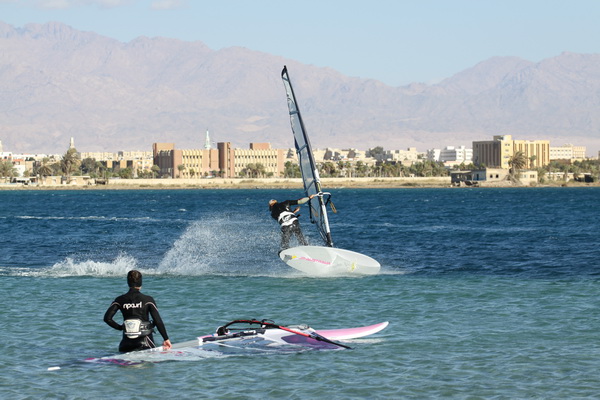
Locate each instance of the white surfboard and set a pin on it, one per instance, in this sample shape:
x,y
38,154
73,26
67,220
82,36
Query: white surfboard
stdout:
x,y
317,260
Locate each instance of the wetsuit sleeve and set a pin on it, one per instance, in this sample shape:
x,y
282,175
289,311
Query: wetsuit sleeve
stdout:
x,y
110,313
158,321
302,200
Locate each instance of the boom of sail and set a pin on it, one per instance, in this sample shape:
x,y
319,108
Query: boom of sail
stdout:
x,y
308,166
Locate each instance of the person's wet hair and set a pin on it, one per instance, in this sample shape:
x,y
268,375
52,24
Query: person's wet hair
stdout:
x,y
134,278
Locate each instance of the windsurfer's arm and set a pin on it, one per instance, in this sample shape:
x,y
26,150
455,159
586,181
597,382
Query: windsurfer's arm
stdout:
x,y
158,322
305,199
110,313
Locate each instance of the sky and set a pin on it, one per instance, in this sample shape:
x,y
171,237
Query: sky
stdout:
x,y
397,42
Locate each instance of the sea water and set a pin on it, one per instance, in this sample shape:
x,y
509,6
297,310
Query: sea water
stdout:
x,y
490,293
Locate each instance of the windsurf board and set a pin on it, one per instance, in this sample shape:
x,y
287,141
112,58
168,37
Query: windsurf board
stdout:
x,y
319,260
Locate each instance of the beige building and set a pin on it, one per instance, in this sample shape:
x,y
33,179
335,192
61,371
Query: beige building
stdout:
x,y
137,161
567,152
260,153
191,163
410,155
491,177
224,161
333,155
99,155
497,153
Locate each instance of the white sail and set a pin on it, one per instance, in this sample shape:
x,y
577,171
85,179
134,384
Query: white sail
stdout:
x,y
308,166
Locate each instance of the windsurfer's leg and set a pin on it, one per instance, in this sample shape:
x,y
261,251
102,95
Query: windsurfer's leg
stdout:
x,y
299,235
128,345
285,237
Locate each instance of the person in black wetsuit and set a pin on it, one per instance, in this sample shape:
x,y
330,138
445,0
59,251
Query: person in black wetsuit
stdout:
x,y
137,308
288,220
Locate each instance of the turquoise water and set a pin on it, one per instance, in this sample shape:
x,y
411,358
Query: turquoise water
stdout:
x,y
490,293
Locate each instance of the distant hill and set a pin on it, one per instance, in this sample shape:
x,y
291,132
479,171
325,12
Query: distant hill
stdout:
x,y
57,82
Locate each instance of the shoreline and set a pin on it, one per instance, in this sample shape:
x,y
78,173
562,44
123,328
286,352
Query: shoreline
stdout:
x,y
276,183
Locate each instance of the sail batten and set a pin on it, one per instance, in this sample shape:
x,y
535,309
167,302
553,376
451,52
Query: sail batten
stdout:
x,y
308,166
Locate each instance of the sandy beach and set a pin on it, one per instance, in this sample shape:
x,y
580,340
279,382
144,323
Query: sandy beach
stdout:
x,y
265,183
218,183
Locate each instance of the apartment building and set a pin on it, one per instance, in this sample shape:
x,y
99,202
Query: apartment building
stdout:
x,y
224,161
497,153
567,152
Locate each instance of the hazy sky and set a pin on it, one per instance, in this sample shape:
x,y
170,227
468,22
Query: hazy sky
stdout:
x,y
394,41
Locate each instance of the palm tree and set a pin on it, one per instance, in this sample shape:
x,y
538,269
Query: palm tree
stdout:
x,y
126,173
7,169
291,170
181,168
89,166
44,170
361,169
260,169
327,168
516,163
532,161
254,170
70,163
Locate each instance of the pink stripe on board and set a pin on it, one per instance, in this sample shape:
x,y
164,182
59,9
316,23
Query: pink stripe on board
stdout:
x,y
314,260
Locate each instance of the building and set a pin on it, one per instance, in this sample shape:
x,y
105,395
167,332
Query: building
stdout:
x,y
334,155
408,156
99,155
260,153
224,161
567,152
490,177
137,161
451,155
189,163
162,155
458,155
497,153
536,151
434,154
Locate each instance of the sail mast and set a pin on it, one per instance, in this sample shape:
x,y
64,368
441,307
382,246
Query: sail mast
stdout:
x,y
308,166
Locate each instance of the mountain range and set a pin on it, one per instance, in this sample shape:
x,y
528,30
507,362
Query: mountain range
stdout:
x,y
57,82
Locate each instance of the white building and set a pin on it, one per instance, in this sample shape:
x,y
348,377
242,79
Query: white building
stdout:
x,y
567,152
451,155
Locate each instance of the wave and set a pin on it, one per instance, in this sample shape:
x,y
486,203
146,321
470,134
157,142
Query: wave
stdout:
x,y
86,218
214,245
122,264
224,245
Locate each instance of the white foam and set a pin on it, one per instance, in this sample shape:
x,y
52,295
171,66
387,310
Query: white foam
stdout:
x,y
224,245
69,267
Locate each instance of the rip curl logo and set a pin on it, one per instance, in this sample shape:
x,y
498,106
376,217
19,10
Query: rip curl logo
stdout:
x,y
127,306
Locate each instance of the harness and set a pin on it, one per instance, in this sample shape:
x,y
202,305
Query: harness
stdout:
x,y
286,218
135,328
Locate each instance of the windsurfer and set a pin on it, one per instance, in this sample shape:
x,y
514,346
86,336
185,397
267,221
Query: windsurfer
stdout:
x,y
281,212
137,308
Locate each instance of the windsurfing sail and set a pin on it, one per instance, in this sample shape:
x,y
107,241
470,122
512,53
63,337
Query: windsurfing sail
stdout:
x,y
308,166
243,337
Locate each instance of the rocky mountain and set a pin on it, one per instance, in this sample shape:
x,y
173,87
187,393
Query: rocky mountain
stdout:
x,y
57,82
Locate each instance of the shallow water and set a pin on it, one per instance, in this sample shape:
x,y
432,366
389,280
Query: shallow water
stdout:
x,y
489,292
